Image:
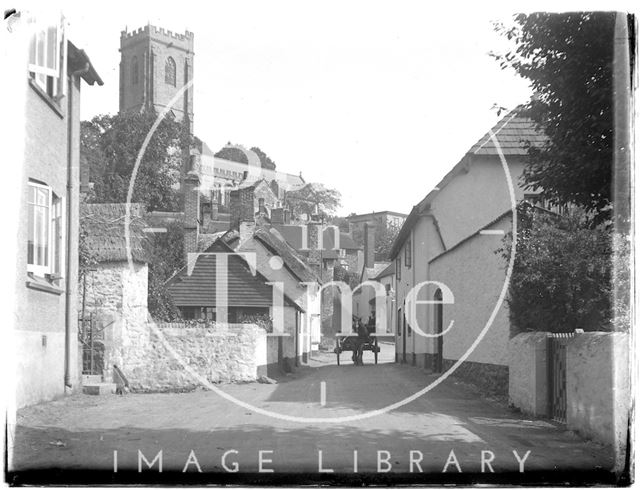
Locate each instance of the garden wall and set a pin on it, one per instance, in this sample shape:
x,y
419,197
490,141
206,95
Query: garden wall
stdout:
x,y
177,357
597,383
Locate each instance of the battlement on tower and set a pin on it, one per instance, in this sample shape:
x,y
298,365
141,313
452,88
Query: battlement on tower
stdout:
x,y
184,41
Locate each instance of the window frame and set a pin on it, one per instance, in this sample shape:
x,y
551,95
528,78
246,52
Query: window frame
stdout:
x,y
49,72
407,254
55,242
170,80
398,267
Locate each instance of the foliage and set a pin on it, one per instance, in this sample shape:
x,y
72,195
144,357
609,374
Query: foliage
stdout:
x,y
237,155
386,234
351,278
311,197
110,145
568,58
165,259
562,276
262,320
87,258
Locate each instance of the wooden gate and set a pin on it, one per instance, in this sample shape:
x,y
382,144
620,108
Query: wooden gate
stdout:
x,y
91,337
557,369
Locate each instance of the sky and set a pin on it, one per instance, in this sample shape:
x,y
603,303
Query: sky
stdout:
x,y
375,99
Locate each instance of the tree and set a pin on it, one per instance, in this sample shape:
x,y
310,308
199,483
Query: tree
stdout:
x,y
314,198
237,155
166,257
562,277
568,58
110,144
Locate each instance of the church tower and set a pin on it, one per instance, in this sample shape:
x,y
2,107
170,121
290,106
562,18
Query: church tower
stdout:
x,y
154,65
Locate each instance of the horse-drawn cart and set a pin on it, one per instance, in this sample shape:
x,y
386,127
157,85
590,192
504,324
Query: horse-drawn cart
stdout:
x,y
349,343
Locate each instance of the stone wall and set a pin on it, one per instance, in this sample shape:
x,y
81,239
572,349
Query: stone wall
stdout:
x,y
597,383
158,358
598,387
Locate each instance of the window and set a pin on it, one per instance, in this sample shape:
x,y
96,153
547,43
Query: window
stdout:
x,y
134,70
407,254
47,50
170,72
46,231
398,268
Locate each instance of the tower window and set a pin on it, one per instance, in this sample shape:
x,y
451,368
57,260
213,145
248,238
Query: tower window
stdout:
x,y
170,72
134,71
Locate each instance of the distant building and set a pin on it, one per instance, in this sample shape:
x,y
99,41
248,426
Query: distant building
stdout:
x,y
46,294
155,64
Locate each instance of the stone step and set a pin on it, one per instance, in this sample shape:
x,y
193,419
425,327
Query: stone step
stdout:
x,y
99,388
91,378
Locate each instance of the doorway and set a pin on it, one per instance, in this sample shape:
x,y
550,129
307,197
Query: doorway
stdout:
x,y
437,298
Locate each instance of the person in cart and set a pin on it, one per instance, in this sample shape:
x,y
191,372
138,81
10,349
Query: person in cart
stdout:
x,y
362,339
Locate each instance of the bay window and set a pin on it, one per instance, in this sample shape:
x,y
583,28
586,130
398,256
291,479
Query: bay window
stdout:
x,y
45,231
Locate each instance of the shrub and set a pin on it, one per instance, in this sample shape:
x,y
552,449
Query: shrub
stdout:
x,y
563,275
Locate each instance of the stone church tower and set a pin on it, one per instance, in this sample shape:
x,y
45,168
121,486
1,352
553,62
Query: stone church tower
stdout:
x,y
154,65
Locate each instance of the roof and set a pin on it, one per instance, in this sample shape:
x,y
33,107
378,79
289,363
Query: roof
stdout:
x,y
387,271
375,271
538,209
199,289
105,231
78,60
274,241
365,216
513,133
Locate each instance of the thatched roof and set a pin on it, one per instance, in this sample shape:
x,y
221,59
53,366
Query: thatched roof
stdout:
x,y
105,231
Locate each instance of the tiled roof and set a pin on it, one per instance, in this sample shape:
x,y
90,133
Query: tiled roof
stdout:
x,y
199,288
378,267
387,271
205,240
273,240
105,231
514,132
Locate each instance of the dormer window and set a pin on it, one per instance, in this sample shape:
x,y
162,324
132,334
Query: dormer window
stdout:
x,y
170,72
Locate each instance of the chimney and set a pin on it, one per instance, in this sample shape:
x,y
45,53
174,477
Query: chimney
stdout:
x,y
191,211
247,229
369,244
315,254
241,206
277,216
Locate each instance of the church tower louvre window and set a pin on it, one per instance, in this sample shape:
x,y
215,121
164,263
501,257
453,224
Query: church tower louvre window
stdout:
x,y
170,72
134,71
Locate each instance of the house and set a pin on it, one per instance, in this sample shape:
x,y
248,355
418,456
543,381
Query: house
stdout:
x,y
387,224
448,276
261,268
113,285
46,293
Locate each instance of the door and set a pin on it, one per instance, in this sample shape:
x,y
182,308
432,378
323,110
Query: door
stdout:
x,y
404,337
438,331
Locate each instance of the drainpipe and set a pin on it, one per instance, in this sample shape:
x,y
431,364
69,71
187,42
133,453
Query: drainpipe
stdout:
x,y
68,254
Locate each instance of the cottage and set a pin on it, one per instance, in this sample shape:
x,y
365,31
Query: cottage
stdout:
x,y
448,276
47,258
261,268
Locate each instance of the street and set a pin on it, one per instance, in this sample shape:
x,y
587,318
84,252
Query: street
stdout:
x,y
446,429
